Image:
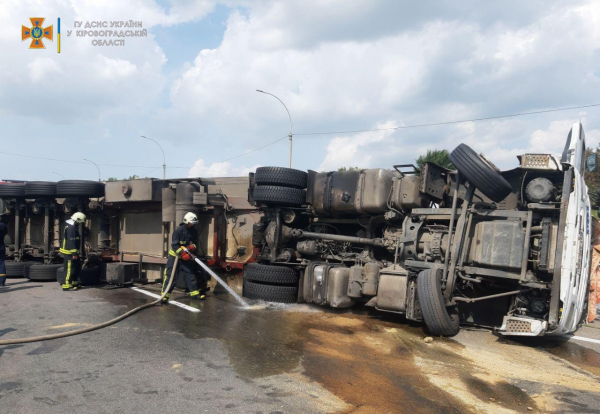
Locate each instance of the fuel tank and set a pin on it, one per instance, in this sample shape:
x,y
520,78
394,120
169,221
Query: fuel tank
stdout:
x,y
356,192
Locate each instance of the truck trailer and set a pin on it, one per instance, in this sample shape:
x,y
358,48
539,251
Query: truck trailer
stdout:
x,y
126,237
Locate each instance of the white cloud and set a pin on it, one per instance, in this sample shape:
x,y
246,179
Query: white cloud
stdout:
x,y
346,151
115,68
218,169
42,67
337,69
337,65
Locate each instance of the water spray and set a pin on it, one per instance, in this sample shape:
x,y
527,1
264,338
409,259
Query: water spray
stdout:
x,y
218,279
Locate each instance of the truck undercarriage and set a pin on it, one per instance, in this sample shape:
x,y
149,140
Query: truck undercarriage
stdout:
x,y
505,249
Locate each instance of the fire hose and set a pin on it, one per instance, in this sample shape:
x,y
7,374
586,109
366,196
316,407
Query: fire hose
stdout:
x,y
94,327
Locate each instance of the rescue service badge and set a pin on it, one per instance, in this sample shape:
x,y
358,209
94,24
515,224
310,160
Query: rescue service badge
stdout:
x,y
37,33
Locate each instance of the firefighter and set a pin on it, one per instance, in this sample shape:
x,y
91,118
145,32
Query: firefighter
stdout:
x,y
70,250
184,236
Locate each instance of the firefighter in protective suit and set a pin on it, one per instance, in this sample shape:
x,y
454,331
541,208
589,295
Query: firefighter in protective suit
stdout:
x,y
69,248
184,236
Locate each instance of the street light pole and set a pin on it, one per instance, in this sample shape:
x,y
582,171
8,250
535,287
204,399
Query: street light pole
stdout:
x,y
60,175
98,168
164,159
289,116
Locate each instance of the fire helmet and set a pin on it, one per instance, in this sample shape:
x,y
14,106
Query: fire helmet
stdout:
x,y
78,218
190,218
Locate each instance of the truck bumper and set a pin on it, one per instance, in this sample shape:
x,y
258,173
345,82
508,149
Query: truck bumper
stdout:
x,y
519,326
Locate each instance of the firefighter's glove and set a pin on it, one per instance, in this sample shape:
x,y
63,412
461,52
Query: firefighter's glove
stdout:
x,y
185,256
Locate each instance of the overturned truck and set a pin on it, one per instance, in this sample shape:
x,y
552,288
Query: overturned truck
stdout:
x,y
509,249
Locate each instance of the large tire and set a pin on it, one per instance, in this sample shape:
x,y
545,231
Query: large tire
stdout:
x,y
435,314
480,172
12,190
61,277
79,188
274,275
285,177
26,268
279,196
15,269
270,293
40,188
43,273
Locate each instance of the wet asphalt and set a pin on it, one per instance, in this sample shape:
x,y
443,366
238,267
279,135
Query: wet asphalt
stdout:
x,y
271,359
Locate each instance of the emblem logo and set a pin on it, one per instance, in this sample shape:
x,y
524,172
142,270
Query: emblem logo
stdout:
x,y
37,33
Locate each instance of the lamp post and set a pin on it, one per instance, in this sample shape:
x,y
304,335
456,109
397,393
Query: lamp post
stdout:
x,y
290,116
164,159
98,168
60,175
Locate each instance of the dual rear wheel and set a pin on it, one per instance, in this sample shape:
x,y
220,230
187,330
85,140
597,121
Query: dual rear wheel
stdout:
x,y
271,283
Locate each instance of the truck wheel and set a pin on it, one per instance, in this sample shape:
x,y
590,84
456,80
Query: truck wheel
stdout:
x,y
79,188
15,269
279,196
481,173
270,293
275,275
12,189
40,188
61,277
285,177
43,273
435,314
26,268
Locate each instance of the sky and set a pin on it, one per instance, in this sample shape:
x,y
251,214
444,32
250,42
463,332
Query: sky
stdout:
x,y
338,65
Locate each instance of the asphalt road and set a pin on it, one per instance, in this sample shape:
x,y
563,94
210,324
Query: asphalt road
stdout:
x,y
272,359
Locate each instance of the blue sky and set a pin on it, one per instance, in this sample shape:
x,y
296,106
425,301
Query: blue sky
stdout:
x,y
338,66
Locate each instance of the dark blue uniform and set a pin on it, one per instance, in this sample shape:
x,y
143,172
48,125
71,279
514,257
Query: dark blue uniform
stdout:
x,y
3,231
69,248
182,237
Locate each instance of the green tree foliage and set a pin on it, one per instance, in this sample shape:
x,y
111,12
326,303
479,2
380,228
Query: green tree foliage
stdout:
x,y
131,177
592,180
341,169
440,157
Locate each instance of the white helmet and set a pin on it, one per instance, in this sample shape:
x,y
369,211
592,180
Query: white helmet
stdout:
x,y
78,218
190,218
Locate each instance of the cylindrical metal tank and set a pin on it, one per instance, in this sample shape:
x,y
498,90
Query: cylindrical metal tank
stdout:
x,y
352,192
184,200
168,205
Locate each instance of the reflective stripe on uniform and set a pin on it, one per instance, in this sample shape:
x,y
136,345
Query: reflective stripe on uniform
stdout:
x,y
73,251
172,253
68,272
164,281
195,293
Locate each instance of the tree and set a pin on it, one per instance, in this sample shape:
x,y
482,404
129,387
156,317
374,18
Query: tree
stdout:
x,y
592,180
439,157
342,169
131,177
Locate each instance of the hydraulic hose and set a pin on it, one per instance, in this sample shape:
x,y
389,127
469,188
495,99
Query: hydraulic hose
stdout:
x,y
94,327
